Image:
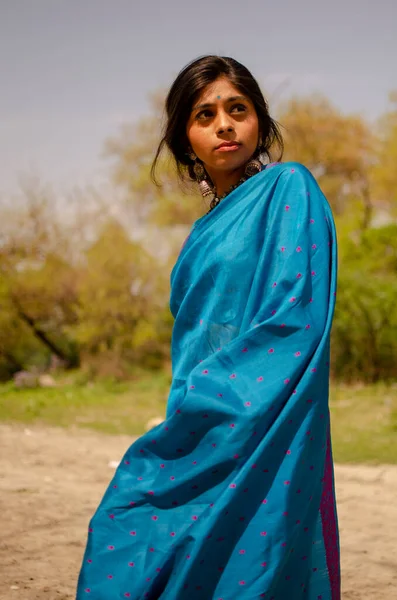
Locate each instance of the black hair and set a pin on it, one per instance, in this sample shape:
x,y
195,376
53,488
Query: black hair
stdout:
x,y
187,87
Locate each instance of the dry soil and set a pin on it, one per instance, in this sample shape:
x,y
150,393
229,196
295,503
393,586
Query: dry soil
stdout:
x,y
51,480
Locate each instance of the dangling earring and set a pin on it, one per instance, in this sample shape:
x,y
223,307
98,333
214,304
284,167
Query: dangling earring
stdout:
x,y
262,156
201,176
254,165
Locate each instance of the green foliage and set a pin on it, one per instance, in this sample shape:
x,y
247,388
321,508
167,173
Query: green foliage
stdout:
x,y
120,292
102,302
337,148
384,173
354,167
86,292
364,341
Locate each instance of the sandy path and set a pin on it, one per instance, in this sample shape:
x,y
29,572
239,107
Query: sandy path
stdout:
x,y
52,479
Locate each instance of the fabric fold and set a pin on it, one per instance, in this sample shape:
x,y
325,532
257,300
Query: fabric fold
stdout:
x,y
230,497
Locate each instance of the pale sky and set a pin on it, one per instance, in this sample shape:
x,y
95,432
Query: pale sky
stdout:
x,y
71,71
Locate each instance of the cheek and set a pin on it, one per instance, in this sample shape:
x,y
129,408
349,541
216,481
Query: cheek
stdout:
x,y
199,140
253,130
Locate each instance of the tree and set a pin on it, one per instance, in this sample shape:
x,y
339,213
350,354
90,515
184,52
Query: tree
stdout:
x,y
133,150
337,148
384,175
120,293
365,326
37,281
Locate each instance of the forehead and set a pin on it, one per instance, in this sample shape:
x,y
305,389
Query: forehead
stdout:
x,y
220,87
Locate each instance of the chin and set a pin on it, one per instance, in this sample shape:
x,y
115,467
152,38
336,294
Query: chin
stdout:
x,y
230,164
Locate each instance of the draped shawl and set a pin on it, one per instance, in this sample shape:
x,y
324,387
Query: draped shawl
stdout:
x,y
232,496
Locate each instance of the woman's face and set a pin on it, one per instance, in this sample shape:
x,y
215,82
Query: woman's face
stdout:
x,y
227,116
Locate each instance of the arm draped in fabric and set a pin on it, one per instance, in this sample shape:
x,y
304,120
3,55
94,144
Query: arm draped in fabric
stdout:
x,y
252,378
241,436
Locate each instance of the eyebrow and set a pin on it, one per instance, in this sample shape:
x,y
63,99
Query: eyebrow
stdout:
x,y
208,104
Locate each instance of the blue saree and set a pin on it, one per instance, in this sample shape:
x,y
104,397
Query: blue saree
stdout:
x,y
232,496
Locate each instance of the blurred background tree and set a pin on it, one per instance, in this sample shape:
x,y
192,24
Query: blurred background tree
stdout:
x,y
384,173
132,152
353,164
338,149
86,284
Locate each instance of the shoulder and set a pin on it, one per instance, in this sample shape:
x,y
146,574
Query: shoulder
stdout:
x,y
290,171
292,177
292,184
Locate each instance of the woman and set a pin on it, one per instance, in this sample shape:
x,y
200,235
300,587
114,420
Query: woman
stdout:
x,y
232,496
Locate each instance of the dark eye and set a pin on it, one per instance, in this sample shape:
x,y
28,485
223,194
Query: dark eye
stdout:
x,y
203,114
240,106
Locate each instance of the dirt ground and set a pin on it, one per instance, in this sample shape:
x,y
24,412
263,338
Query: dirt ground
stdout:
x,y
52,479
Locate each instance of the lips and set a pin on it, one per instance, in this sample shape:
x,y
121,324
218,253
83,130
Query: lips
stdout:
x,y
227,145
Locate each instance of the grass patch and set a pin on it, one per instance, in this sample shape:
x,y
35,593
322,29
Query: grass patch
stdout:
x,y
364,423
364,418
107,406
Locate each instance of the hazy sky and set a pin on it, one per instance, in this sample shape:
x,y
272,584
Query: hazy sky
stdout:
x,y
72,70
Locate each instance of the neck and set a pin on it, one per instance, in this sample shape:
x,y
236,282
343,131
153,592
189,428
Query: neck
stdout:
x,y
223,180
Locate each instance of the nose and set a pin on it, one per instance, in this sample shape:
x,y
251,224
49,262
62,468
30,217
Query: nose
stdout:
x,y
222,129
224,123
